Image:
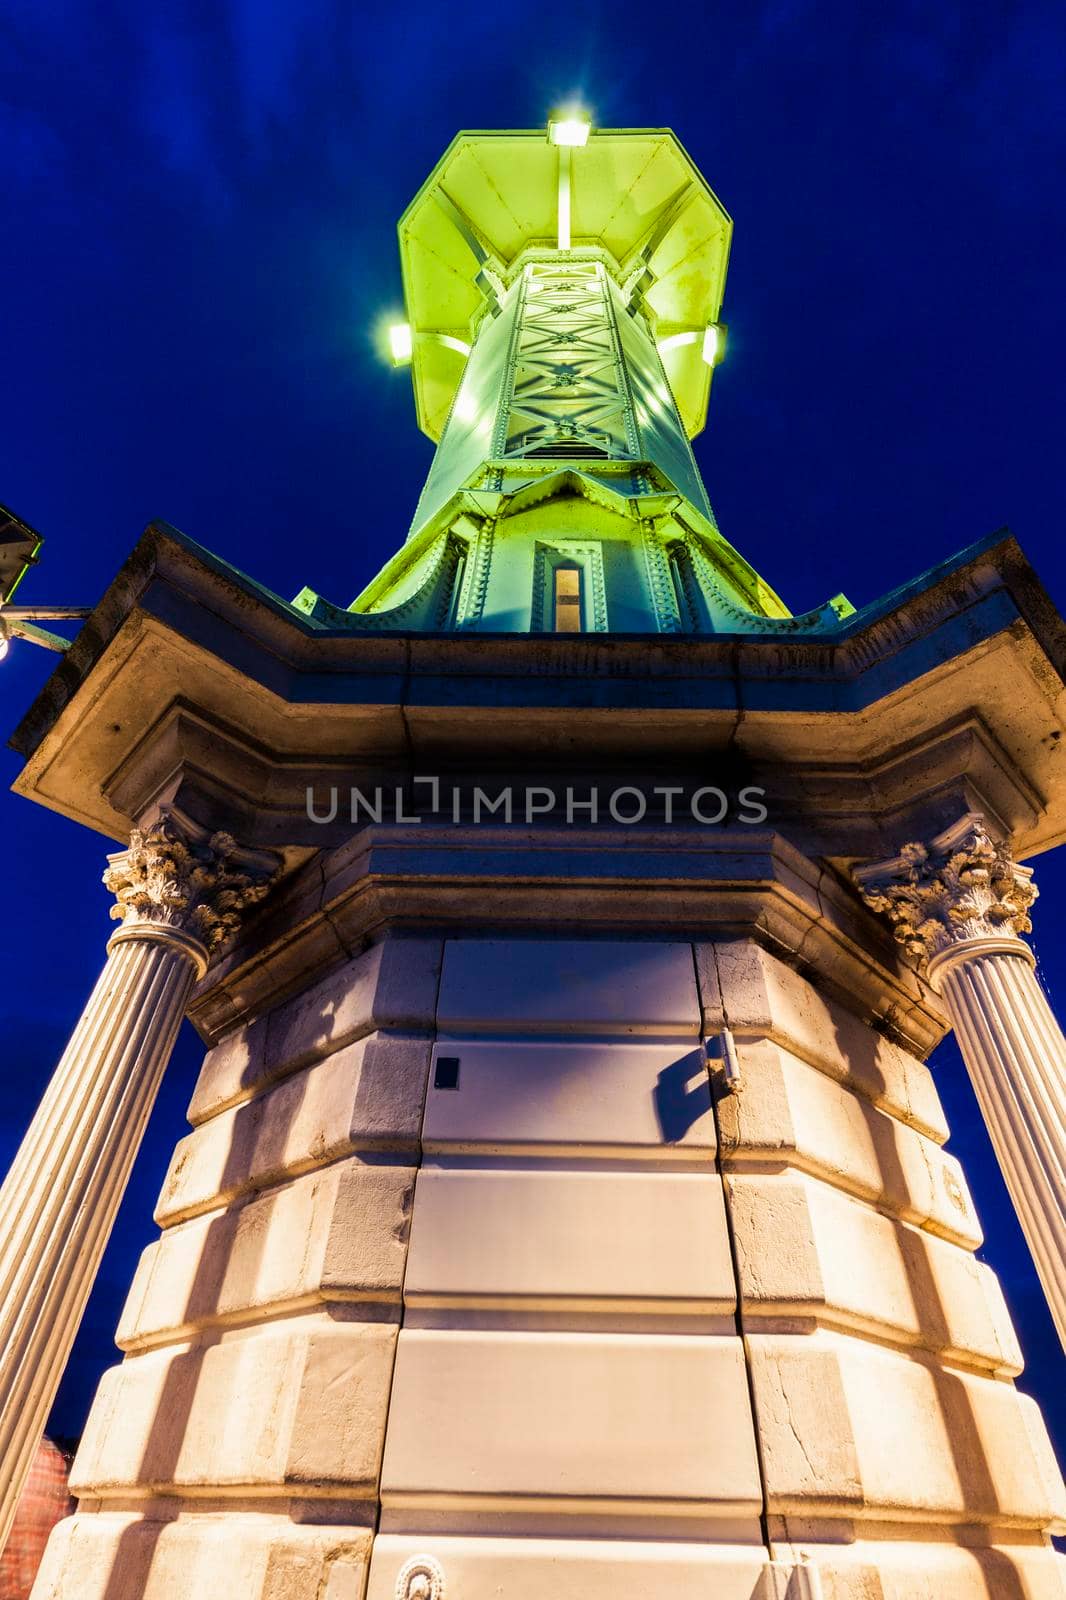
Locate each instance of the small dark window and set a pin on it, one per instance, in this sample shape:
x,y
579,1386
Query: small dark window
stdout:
x,y
457,590
567,608
446,1072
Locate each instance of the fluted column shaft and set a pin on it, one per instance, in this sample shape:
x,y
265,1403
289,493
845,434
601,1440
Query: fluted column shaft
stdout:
x,y
960,905
58,1203
180,894
1015,1053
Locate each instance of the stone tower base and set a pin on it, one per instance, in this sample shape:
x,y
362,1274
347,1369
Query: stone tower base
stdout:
x,y
474,1256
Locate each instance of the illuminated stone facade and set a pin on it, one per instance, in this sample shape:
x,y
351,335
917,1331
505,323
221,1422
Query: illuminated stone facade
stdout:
x,y
567,1208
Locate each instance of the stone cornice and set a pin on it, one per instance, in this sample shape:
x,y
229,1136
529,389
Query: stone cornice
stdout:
x,y
738,883
170,578
188,684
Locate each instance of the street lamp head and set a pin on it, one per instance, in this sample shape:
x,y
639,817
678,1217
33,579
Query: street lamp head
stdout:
x,y
19,550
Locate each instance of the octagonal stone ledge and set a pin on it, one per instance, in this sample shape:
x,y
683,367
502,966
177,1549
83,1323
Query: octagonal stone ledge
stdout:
x,y
177,619
337,1236
788,1114
123,1556
753,993
809,1256
553,882
366,1098
298,1409
852,1429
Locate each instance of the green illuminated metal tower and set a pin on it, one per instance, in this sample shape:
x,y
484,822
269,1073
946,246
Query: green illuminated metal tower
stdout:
x,y
563,295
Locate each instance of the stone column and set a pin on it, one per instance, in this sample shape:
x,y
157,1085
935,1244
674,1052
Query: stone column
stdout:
x,y
180,894
960,906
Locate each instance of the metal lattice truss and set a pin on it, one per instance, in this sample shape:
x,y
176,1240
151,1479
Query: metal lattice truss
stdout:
x,y
568,390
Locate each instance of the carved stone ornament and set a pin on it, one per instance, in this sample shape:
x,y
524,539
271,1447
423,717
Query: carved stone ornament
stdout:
x,y
420,1578
962,885
175,874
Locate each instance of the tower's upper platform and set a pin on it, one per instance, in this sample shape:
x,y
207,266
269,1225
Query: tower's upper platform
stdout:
x,y
633,196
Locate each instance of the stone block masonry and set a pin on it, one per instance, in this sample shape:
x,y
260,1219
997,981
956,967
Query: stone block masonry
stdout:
x,y
571,1317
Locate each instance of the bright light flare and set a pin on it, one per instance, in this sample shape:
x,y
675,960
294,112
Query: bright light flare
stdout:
x,y
3,646
401,343
713,344
570,128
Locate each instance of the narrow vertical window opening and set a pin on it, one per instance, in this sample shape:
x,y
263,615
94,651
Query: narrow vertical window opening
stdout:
x,y
684,589
567,607
452,617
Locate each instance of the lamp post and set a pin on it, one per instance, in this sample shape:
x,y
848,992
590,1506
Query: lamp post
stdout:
x,y
21,622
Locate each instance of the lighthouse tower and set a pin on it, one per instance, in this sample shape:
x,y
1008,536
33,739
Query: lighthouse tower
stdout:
x,y
568,1209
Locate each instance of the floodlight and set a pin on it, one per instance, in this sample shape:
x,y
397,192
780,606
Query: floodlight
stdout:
x,y
572,129
714,343
401,343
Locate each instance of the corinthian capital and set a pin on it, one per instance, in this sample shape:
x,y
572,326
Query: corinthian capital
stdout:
x,y
176,875
962,885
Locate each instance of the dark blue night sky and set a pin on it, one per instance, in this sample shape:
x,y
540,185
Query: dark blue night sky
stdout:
x,y
198,208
